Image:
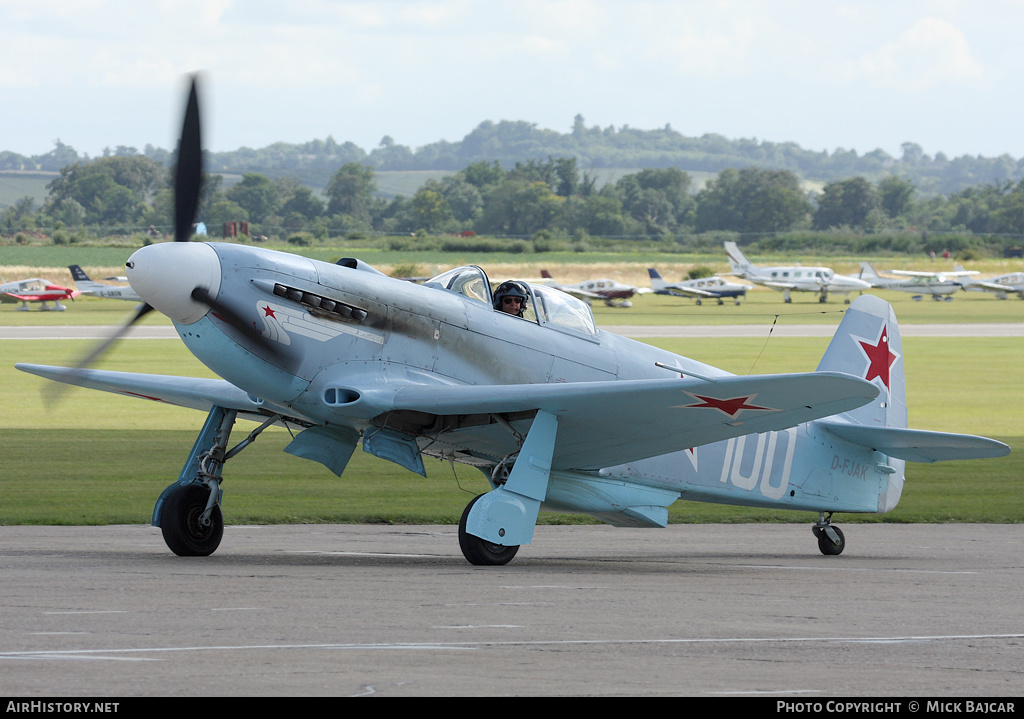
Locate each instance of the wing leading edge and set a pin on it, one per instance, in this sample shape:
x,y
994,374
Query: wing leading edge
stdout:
x,y
599,423
606,423
192,392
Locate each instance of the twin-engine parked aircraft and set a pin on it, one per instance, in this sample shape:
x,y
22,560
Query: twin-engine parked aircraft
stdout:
x,y
940,285
613,292
556,413
820,280
1003,286
714,288
98,289
36,290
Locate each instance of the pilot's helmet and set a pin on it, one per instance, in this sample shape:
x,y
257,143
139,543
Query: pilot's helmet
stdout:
x,y
510,289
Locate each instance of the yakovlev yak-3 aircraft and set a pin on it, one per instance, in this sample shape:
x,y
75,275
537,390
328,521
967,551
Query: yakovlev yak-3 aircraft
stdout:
x,y
557,413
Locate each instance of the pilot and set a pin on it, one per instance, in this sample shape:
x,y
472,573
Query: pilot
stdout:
x,y
510,297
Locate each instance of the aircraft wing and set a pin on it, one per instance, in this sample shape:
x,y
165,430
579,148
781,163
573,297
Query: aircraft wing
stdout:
x,y
42,297
191,392
599,423
577,292
687,291
610,422
996,287
934,275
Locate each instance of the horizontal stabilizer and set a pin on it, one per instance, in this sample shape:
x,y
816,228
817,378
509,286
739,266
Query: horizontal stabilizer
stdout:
x,y
918,445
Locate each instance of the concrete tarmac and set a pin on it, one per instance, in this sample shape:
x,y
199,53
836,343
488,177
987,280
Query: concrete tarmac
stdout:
x,y
339,610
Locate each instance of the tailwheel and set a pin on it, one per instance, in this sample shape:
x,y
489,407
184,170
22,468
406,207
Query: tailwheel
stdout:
x,y
478,551
831,541
188,529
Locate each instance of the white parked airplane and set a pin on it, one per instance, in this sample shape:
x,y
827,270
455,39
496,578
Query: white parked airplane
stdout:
x,y
1003,285
821,280
98,289
940,285
714,288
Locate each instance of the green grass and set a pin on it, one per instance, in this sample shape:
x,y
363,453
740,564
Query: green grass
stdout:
x,y
98,458
762,307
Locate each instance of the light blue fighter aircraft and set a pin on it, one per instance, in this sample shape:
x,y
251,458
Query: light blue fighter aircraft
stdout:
x,y
558,414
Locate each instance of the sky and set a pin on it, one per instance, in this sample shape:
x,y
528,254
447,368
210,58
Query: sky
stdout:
x,y
827,75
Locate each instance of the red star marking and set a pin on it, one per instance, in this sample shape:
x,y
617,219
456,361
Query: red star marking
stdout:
x,y
880,358
732,406
267,312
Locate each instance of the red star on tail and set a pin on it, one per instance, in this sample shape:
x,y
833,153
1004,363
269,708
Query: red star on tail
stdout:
x,y
880,357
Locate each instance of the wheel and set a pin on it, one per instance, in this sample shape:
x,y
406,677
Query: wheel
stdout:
x,y
825,543
478,551
180,522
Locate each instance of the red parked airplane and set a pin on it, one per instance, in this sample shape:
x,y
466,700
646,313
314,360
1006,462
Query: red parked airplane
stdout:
x,y
36,290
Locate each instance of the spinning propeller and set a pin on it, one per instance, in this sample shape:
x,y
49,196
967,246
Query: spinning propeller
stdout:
x,y
187,185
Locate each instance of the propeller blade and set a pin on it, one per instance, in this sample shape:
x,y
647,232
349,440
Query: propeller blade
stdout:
x,y
54,391
187,181
189,171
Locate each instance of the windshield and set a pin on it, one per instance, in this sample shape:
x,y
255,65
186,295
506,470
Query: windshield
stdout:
x,y
469,281
558,309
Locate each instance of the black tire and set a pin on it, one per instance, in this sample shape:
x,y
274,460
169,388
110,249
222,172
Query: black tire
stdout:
x,y
826,545
179,522
480,552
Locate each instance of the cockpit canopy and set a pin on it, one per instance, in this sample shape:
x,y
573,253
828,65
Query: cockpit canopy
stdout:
x,y
547,306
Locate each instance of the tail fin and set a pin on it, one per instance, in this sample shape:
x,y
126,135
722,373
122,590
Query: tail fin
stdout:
x,y
868,345
78,274
546,275
868,273
657,281
739,265
965,280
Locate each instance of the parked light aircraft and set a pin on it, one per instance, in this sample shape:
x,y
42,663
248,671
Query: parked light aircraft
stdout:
x,y
98,289
821,280
556,413
1003,286
937,284
36,289
614,293
703,288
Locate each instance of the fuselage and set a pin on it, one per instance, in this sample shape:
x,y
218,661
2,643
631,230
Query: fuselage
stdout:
x,y
806,279
349,336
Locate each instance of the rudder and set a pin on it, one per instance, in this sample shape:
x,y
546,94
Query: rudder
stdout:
x,y
868,345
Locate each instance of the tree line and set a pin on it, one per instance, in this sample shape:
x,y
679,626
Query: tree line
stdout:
x,y
313,163
549,198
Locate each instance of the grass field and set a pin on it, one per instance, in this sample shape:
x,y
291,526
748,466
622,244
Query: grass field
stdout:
x,y
97,458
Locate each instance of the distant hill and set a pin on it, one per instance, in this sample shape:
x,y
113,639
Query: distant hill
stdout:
x,y
597,149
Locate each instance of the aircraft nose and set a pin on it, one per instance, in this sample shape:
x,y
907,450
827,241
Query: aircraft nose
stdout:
x,y
165,274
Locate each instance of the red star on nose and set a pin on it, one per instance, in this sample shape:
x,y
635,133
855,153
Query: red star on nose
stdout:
x,y
267,312
731,406
880,357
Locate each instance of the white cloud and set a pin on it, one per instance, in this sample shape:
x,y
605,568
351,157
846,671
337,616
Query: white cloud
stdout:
x,y
932,53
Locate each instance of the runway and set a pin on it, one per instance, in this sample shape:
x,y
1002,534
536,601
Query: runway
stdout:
x,y
691,610
981,329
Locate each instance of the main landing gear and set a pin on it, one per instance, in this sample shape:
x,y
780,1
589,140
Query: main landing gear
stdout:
x,y
479,551
188,512
831,541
